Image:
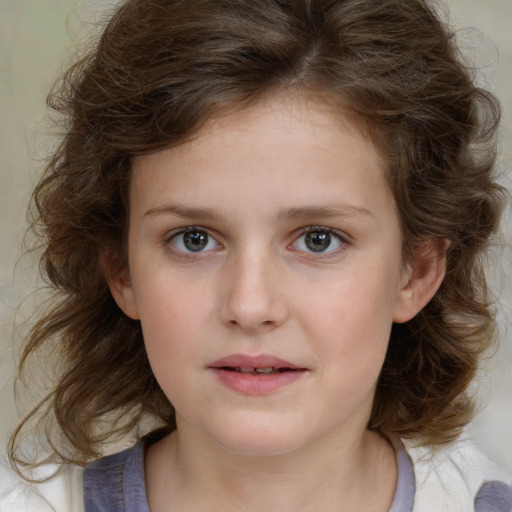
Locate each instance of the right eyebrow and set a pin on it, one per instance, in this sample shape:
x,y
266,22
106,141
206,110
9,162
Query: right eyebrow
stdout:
x,y
184,211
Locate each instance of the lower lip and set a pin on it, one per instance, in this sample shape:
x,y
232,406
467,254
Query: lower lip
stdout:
x,y
250,384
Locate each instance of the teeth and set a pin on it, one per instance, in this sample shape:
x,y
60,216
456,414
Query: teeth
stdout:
x,y
263,370
256,370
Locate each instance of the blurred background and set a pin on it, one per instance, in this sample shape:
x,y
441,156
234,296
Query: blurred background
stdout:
x,y
38,38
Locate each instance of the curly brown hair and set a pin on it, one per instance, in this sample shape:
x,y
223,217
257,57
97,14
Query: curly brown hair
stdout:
x,y
160,70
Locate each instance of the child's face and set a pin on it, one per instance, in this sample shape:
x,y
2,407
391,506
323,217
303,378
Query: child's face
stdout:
x,y
270,240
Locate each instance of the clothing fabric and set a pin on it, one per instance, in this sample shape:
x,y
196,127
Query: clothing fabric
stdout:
x,y
455,478
62,492
116,483
458,478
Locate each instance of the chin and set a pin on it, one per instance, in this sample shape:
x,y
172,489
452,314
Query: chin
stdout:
x,y
260,441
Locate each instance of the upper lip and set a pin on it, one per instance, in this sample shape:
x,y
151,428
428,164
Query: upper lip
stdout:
x,y
248,361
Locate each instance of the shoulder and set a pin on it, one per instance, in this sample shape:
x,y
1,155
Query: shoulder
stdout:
x,y
112,482
62,493
458,477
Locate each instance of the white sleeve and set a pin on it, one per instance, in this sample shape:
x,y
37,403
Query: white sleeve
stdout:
x,y
449,478
63,493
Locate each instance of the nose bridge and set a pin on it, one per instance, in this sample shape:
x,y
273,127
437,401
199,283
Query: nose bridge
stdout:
x,y
253,295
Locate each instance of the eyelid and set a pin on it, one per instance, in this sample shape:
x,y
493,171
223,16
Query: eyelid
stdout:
x,y
184,229
342,235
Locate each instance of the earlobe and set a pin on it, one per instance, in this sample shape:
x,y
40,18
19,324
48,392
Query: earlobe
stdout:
x,y
120,284
423,277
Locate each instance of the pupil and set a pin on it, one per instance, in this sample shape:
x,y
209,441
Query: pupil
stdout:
x,y
195,240
318,241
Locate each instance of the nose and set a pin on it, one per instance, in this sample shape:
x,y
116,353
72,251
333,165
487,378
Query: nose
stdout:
x,y
254,298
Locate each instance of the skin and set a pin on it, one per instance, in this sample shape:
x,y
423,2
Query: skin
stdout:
x,y
255,181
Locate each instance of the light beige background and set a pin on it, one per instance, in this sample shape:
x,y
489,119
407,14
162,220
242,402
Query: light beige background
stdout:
x,y
36,39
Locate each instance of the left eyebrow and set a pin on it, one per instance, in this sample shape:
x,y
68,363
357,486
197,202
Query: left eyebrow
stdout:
x,y
332,210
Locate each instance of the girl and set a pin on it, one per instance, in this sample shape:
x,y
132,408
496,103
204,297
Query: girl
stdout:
x,y
264,229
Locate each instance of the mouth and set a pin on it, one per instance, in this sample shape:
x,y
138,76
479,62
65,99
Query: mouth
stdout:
x,y
258,375
257,371
255,365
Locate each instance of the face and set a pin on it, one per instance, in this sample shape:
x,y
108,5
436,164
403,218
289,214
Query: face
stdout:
x,y
265,268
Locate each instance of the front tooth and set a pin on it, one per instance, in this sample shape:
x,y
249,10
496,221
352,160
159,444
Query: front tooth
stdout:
x,y
264,370
245,370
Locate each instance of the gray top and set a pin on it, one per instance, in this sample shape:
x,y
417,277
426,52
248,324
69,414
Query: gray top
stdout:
x,y
116,483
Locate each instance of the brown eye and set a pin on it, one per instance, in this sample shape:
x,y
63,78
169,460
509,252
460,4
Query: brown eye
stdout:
x,y
193,240
318,241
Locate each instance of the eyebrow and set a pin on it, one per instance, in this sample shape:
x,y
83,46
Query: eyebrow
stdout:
x,y
326,211
303,212
185,211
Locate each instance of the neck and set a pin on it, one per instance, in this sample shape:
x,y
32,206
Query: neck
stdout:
x,y
199,475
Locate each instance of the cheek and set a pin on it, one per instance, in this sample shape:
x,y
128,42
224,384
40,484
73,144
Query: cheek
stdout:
x,y
169,342
176,314
351,318
362,300
167,300
168,318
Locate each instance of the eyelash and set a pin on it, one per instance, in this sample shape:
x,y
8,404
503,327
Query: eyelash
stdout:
x,y
189,254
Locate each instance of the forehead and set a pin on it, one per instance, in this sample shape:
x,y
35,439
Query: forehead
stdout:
x,y
292,150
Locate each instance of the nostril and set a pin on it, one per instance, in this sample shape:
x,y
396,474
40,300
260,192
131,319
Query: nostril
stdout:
x,y
265,323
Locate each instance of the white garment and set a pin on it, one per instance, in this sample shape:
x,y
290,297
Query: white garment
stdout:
x,y
63,493
447,480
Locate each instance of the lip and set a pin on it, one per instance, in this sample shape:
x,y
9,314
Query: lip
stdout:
x,y
255,384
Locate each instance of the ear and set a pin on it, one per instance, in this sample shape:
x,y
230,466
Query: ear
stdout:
x,y
422,278
120,284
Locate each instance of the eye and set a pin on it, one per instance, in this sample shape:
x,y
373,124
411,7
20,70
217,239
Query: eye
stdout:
x,y
319,240
193,240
